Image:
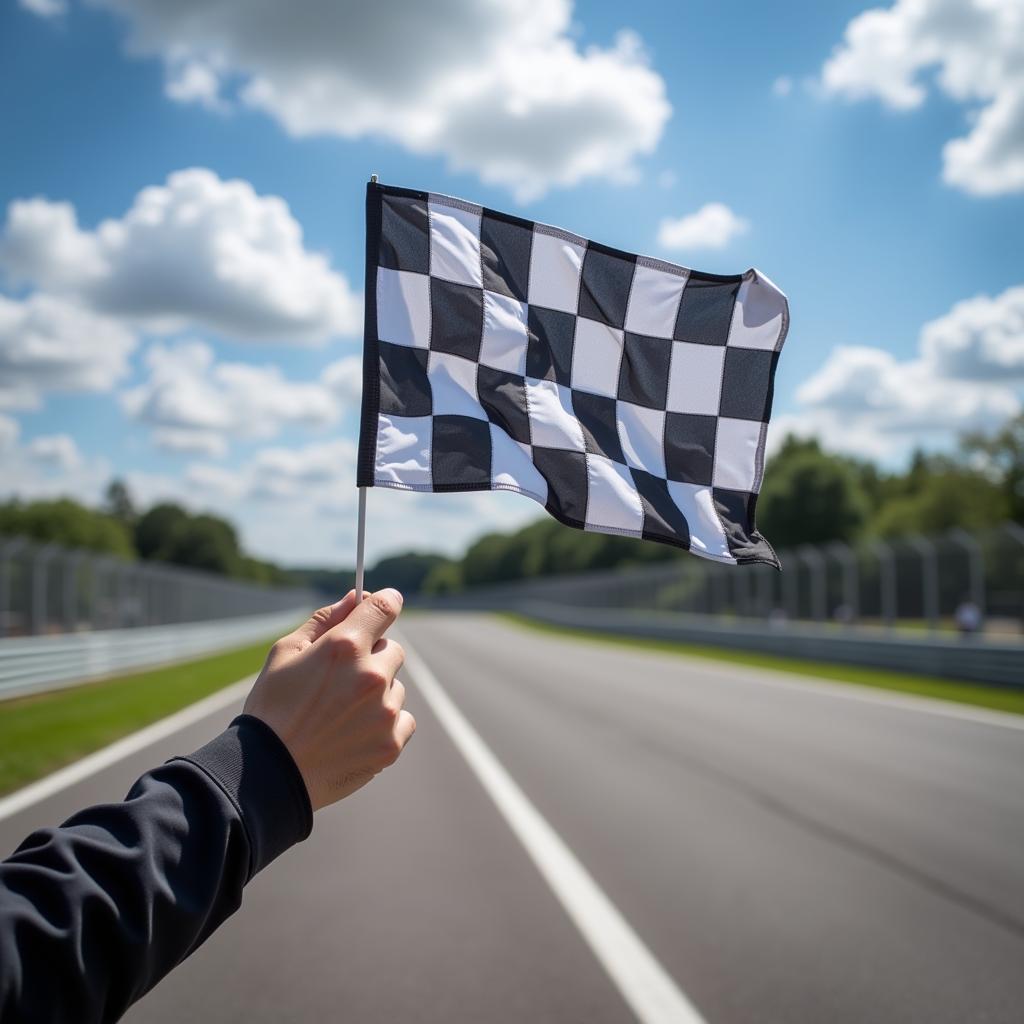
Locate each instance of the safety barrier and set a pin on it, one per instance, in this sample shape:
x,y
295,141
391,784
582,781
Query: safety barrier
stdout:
x,y
973,659
36,664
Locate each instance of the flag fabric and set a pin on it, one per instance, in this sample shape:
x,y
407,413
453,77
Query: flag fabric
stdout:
x,y
625,394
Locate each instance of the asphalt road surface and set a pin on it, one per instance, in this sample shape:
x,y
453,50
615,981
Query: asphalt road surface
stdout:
x,y
787,851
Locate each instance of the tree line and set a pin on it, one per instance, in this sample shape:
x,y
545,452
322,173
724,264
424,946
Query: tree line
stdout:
x,y
810,496
166,532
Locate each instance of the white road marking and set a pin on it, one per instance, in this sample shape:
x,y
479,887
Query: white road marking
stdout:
x,y
95,762
640,978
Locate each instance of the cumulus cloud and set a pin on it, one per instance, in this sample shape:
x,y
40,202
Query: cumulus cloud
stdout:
x,y
196,252
713,226
979,339
344,378
498,88
57,450
318,475
45,8
48,466
966,375
9,431
297,505
975,47
195,404
53,344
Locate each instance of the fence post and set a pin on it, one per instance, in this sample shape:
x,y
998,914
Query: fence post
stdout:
x,y
72,560
791,589
929,578
8,551
975,566
887,582
765,589
847,560
815,562
39,587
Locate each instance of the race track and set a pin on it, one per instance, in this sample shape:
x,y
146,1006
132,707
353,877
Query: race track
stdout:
x,y
787,852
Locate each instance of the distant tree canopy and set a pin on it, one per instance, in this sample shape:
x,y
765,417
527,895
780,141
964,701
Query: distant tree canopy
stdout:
x,y
67,523
809,496
164,533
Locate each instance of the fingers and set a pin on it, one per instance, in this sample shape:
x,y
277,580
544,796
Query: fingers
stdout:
x,y
370,619
395,698
405,726
327,618
389,656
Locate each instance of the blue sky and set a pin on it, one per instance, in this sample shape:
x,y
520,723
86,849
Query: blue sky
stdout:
x,y
835,166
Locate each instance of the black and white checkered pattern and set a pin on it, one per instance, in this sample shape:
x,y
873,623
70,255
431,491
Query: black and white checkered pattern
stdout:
x,y
625,394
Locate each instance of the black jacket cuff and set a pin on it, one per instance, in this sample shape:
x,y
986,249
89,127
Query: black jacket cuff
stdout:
x,y
253,767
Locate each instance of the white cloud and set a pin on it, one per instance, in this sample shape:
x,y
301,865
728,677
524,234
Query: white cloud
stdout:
x,y
976,47
713,226
9,431
48,466
52,344
45,8
298,506
979,339
197,252
196,404
57,450
782,86
966,375
318,475
498,88
195,82
344,378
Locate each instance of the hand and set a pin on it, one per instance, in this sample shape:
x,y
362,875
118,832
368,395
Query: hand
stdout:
x,y
329,692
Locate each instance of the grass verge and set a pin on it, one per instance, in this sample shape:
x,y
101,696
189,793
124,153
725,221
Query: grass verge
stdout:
x,y
1002,699
41,733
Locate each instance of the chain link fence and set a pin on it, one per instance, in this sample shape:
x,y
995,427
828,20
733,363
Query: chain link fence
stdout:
x,y
47,589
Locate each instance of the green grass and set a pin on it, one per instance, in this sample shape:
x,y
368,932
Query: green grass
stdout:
x,y
927,686
39,734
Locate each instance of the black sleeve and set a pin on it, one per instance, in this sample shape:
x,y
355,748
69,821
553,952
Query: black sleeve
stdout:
x,y
94,913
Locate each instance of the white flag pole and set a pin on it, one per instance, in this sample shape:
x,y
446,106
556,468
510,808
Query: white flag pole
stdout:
x,y
361,522
360,543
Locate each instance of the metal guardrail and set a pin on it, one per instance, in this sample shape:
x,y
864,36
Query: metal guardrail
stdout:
x,y
30,665
972,659
1001,664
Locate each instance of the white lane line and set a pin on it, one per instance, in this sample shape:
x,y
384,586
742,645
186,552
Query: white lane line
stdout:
x,y
644,983
93,763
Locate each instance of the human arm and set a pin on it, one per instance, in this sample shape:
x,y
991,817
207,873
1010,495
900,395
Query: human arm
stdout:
x,y
95,912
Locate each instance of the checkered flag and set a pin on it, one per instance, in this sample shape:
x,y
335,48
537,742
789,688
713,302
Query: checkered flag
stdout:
x,y
625,394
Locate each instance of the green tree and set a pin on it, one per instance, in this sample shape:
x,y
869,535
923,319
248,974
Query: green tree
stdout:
x,y
406,571
1002,457
946,496
157,529
810,497
207,542
118,504
67,523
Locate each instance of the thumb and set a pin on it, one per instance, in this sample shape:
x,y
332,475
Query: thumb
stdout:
x,y
325,618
